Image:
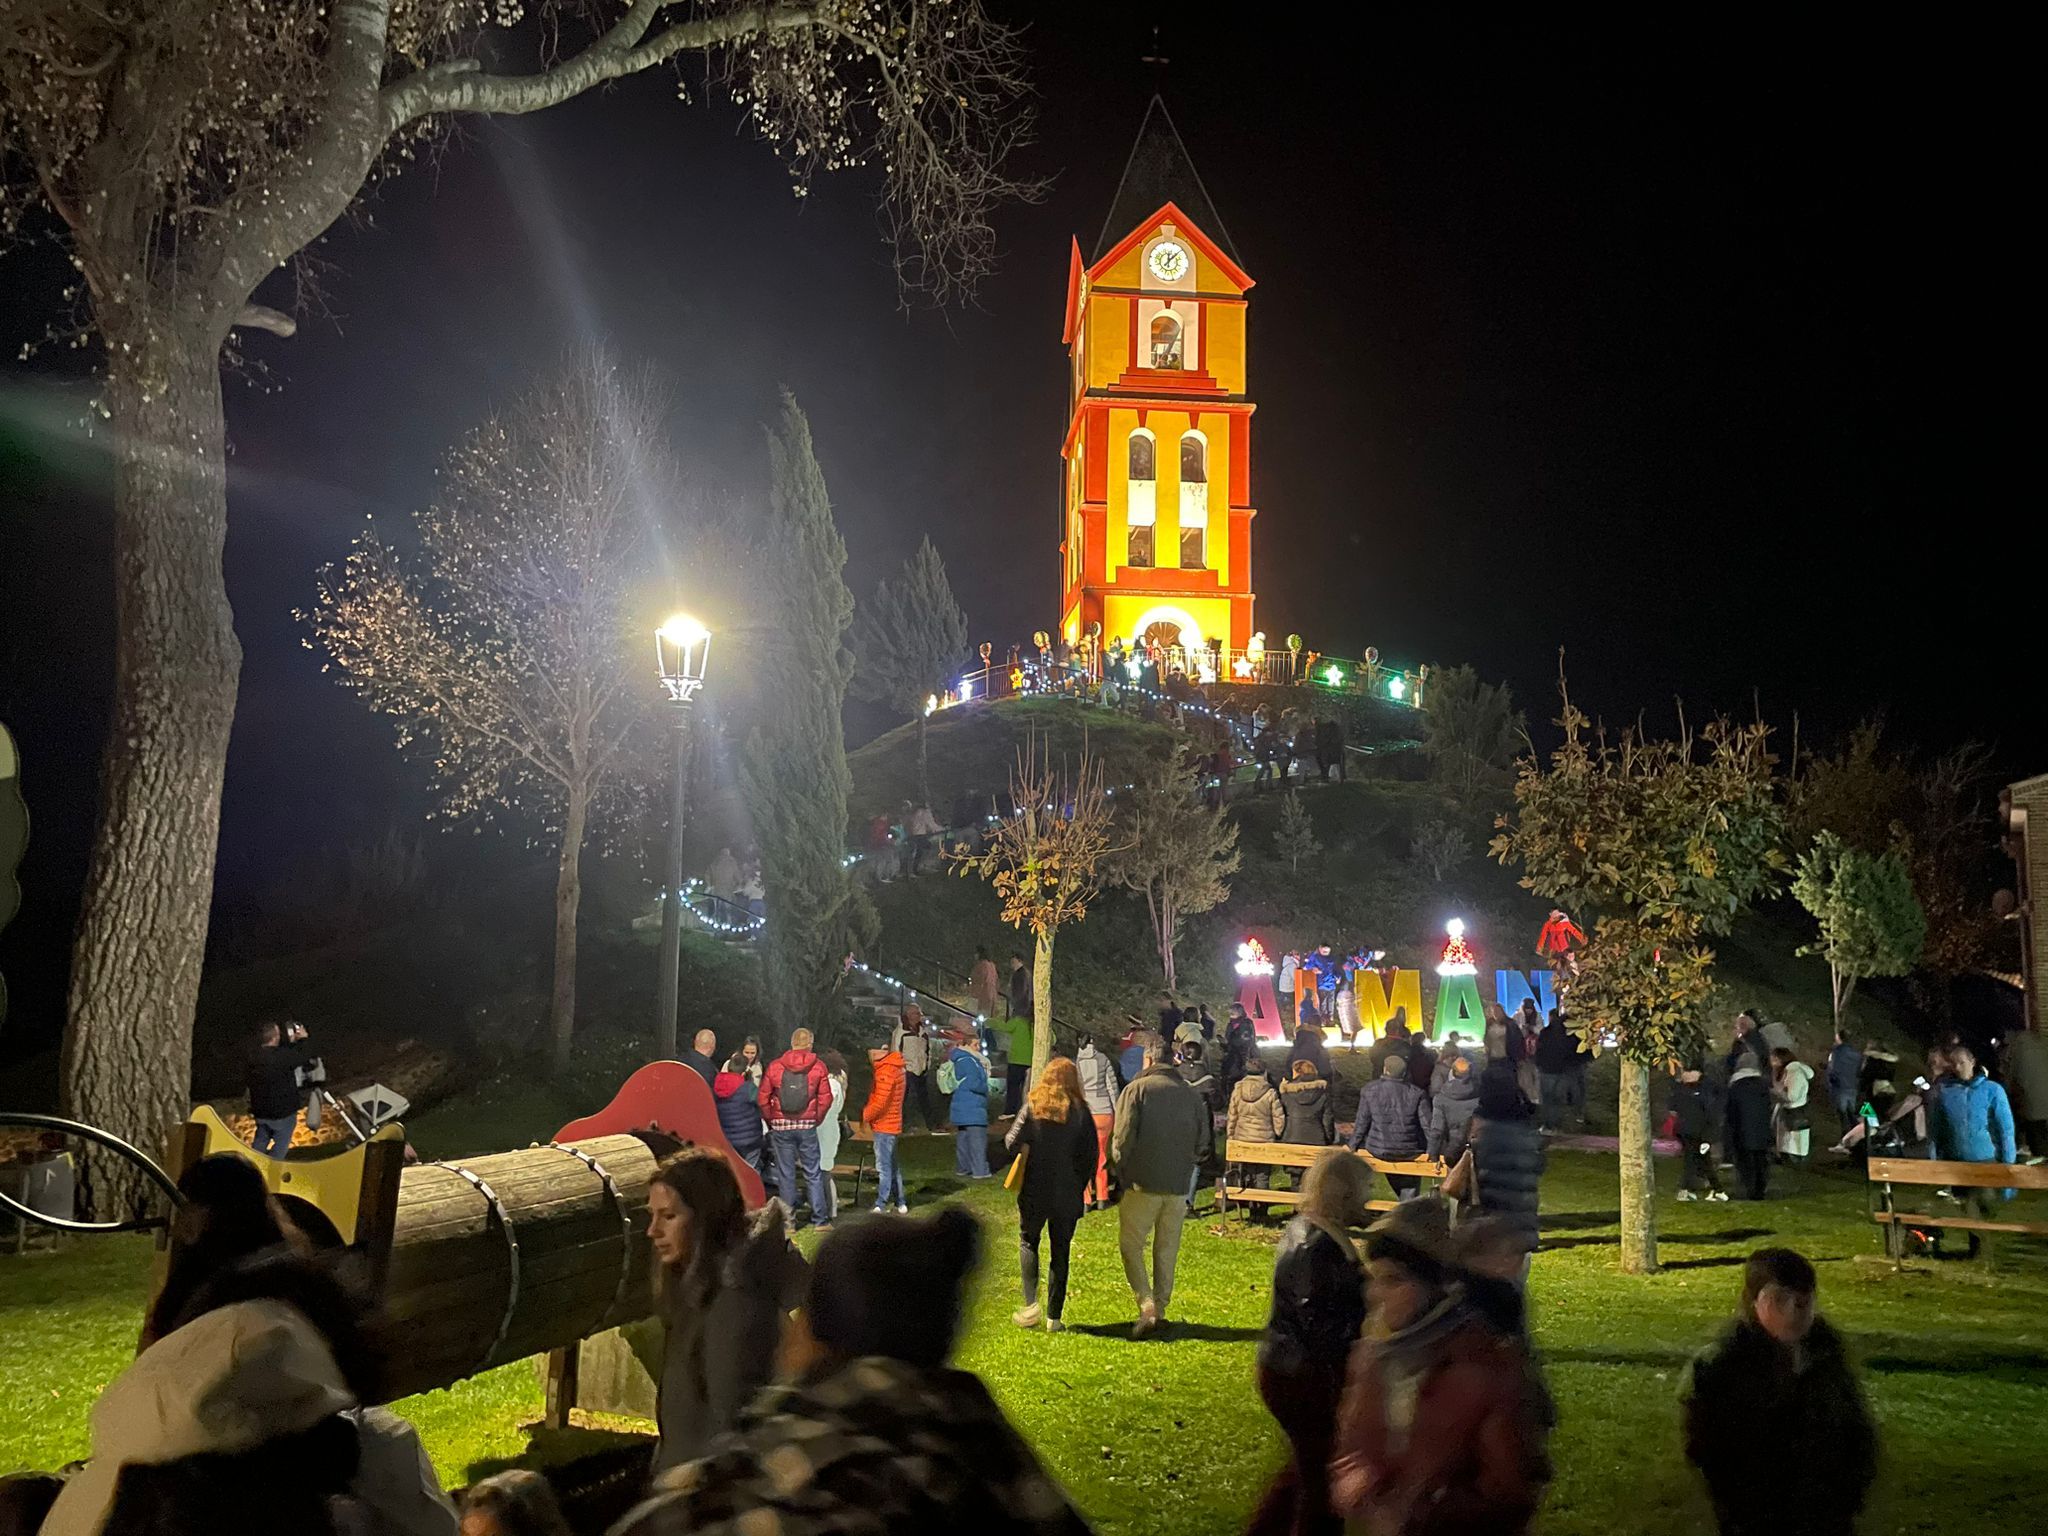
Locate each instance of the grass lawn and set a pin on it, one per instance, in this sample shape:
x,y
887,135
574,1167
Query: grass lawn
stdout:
x,y
1168,1436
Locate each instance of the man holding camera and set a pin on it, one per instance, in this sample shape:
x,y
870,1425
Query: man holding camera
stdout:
x,y
274,1084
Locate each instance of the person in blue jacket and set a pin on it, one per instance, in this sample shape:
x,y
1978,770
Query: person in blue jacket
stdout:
x,y
970,1113
1973,1124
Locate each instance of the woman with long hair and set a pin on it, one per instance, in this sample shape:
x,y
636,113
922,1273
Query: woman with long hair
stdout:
x,y
1055,1135
724,1284
1318,1308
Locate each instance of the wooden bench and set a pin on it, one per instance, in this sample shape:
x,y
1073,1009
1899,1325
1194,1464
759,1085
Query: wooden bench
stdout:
x,y
860,1141
1884,1172
1281,1154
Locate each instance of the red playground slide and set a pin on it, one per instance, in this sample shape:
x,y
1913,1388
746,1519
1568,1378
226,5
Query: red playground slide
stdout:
x,y
669,1097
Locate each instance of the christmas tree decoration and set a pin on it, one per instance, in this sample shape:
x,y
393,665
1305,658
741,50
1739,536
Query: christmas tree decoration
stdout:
x,y
1458,959
1255,992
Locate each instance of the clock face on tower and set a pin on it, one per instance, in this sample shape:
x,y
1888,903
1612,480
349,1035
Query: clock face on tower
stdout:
x,y
1168,261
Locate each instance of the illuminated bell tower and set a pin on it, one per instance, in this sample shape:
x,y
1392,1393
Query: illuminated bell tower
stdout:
x,y
1156,538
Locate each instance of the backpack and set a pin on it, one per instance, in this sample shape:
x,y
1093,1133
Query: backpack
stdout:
x,y
949,1078
794,1095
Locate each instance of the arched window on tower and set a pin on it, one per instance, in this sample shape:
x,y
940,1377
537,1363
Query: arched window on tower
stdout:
x,y
1166,348
1141,506
1194,500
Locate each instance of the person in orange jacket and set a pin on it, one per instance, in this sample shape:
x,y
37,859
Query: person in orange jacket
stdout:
x,y
884,1117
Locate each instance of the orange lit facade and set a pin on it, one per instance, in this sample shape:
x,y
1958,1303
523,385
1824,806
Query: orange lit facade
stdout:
x,y
1156,539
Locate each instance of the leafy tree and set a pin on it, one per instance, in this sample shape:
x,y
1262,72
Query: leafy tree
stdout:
x,y
1870,921
1666,841
1295,839
1176,850
793,764
1045,862
1471,730
186,152
1936,815
504,643
909,642
1440,847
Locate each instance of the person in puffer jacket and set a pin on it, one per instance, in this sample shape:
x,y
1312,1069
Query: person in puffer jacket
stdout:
x,y
1099,1088
1392,1123
739,1111
1253,1114
1308,1115
1451,1111
1507,1154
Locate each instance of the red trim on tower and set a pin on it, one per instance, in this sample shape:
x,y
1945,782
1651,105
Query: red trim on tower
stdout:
x,y
1240,462
1073,295
1171,213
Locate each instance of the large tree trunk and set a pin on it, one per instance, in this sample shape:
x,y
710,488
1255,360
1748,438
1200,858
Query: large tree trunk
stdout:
x,y
127,1050
568,895
1638,1173
1041,1005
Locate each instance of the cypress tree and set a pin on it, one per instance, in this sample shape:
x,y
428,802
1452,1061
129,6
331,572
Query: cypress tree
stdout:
x,y
793,762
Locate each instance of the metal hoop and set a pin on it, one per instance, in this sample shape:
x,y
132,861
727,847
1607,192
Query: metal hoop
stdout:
x,y
108,1139
496,1207
611,1190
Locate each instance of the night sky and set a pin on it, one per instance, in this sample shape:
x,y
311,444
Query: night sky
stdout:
x,y
1687,352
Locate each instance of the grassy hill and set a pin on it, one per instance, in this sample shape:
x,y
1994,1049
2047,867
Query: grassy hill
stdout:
x,y
1365,885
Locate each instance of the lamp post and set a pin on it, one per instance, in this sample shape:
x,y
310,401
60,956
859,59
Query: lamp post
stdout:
x,y
681,648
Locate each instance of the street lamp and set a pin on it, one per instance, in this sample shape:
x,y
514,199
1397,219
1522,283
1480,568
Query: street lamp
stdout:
x,y
682,646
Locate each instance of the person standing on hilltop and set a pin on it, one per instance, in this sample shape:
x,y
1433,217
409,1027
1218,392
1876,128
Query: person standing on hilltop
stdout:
x,y
984,986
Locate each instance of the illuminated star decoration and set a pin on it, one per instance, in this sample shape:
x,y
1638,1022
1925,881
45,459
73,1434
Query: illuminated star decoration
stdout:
x,y
1458,959
1242,667
1251,959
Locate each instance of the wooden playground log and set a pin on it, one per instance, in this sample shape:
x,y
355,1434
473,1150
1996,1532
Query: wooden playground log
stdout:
x,y
496,1258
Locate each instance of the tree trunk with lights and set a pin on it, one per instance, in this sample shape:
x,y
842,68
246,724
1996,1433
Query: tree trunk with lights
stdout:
x,y
568,896
127,1049
1638,1173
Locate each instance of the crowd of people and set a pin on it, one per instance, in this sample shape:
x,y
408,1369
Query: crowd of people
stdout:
x,y
804,1396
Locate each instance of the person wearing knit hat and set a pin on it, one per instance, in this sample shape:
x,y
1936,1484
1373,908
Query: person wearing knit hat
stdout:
x,y
1435,1432
875,1430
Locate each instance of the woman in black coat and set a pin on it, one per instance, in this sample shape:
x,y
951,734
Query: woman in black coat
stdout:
x,y
1057,1130
1507,1154
1308,1046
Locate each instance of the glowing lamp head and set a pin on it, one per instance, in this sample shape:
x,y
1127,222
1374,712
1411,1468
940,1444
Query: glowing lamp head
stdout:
x,y
682,648
1455,927
682,631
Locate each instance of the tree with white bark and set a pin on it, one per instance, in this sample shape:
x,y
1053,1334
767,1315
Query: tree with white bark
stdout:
x,y
507,640
1666,842
1045,861
187,152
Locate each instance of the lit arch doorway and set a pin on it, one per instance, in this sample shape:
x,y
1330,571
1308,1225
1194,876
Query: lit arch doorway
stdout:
x,y
1166,628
